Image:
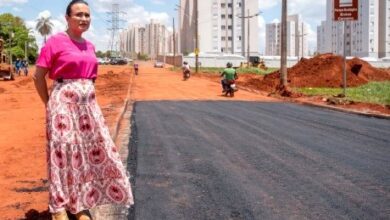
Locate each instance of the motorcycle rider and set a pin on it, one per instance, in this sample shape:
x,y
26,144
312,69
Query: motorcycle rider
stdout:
x,y
186,70
135,66
229,74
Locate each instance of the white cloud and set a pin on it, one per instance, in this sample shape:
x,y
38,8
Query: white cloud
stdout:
x,y
16,9
158,2
267,4
11,2
107,5
44,14
138,14
313,12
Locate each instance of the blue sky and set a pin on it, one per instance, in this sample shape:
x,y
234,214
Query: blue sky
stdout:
x,y
141,11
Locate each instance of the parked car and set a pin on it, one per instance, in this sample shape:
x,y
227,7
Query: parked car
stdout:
x,y
100,60
159,64
118,61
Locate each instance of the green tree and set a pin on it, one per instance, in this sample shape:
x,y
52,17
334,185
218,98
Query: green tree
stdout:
x,y
99,54
44,27
142,56
16,36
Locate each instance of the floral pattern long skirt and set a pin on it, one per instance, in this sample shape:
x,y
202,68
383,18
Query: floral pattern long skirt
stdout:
x,y
84,167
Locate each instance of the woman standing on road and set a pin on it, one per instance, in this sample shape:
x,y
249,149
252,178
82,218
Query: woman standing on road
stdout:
x,y
84,167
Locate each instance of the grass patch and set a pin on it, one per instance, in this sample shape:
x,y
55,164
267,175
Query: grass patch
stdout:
x,y
217,70
373,92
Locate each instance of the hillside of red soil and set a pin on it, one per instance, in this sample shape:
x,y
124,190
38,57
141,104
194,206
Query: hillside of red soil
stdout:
x,y
324,71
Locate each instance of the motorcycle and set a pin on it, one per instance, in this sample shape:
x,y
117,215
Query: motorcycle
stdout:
x,y
230,87
186,74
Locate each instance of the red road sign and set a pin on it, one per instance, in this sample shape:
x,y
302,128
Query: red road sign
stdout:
x,y
346,10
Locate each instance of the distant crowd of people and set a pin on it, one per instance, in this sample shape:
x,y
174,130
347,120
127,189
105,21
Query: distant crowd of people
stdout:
x,y
21,65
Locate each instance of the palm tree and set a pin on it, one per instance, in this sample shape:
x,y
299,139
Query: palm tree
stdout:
x,y
44,27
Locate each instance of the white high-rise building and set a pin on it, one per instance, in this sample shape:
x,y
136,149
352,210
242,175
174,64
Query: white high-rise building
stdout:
x,y
151,39
272,39
220,28
367,37
321,37
297,43
384,28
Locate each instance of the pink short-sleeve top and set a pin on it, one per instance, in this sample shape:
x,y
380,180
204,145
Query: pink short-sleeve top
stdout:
x,y
68,59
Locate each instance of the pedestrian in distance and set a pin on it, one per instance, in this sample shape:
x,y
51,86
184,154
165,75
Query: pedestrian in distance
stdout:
x,y
25,67
135,66
186,70
84,166
18,66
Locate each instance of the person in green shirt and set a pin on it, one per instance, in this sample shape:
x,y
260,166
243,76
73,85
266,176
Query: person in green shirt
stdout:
x,y
228,75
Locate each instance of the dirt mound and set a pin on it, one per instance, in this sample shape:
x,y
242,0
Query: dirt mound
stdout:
x,y
326,71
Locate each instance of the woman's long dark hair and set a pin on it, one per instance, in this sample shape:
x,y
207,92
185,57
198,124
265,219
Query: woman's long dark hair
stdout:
x,y
68,9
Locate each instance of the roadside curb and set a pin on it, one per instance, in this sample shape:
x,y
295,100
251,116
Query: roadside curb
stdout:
x,y
374,115
123,110
121,137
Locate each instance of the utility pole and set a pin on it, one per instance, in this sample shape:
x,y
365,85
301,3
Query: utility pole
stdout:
x,y
345,61
196,37
283,58
12,34
249,28
302,34
174,41
25,50
164,44
301,44
248,17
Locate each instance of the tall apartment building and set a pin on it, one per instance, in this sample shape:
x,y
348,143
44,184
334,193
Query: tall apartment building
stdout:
x,y
272,39
172,39
321,37
367,37
384,28
297,43
221,30
151,39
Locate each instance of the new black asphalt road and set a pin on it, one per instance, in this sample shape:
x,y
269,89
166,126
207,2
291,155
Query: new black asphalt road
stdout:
x,y
253,160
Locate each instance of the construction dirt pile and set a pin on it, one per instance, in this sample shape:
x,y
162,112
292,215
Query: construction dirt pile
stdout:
x,y
323,71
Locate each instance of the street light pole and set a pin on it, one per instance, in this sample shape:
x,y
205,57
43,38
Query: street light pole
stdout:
x,y
283,58
301,44
345,62
174,41
248,37
25,50
10,48
302,34
196,38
